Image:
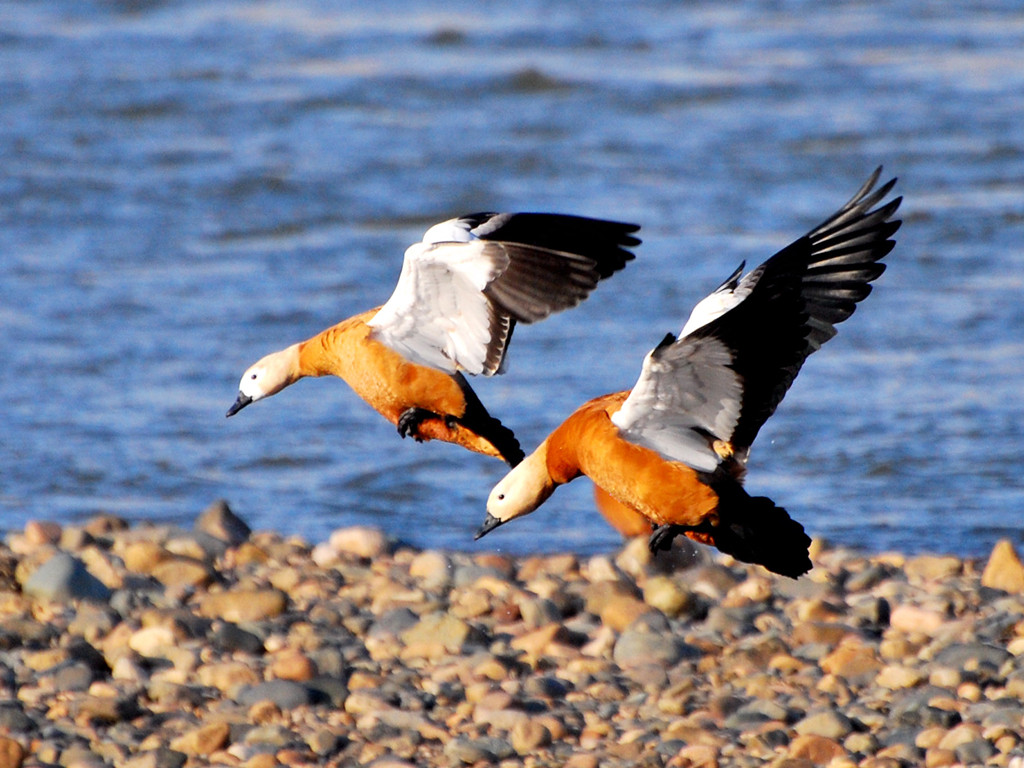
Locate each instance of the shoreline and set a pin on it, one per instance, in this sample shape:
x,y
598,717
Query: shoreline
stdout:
x,y
152,646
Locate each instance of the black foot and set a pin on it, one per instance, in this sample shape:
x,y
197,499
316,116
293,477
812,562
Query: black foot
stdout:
x,y
411,418
662,538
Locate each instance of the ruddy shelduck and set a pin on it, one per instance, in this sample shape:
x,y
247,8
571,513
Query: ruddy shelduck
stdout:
x,y
459,296
673,450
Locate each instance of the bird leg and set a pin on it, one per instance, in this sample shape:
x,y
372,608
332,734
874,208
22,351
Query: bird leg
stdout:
x,y
411,418
662,537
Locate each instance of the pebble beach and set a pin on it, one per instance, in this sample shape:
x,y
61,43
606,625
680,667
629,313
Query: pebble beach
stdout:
x,y
152,646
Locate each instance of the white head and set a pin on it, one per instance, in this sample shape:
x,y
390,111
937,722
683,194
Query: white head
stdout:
x,y
267,377
519,493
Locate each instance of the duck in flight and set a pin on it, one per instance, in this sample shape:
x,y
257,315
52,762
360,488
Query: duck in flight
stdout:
x,y
674,448
459,296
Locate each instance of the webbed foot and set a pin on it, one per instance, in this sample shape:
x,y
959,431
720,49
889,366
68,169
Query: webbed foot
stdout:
x,y
411,419
662,538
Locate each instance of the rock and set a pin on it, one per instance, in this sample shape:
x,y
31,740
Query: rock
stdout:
x,y
42,532
292,664
818,749
182,571
932,568
243,605
104,710
12,754
142,555
529,736
433,569
637,646
911,618
829,724
286,694
539,612
1004,569
895,676
468,751
152,641
218,521
622,610
231,638
667,596
226,676
440,633
360,541
852,661
203,740
64,577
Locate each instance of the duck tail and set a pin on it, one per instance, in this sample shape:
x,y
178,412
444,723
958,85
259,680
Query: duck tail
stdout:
x,y
497,439
753,529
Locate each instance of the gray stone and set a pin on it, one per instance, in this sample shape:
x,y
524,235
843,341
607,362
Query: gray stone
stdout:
x,y
332,689
636,646
974,752
468,751
959,654
393,623
74,676
539,612
230,637
219,521
286,694
64,577
13,718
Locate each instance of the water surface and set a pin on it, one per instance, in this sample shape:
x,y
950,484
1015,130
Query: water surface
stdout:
x,y
186,186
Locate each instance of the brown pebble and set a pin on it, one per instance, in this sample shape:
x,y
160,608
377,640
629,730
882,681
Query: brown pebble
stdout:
x,y
910,618
12,754
291,664
42,532
1004,569
937,758
536,643
695,756
528,736
961,734
227,675
818,749
895,677
181,571
932,568
622,610
142,556
851,660
264,712
203,740
243,605
360,541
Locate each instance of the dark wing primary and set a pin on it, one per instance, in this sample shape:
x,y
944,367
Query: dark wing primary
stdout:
x,y
744,344
464,287
831,268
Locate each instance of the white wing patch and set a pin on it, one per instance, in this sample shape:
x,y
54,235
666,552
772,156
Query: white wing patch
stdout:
x,y
687,396
729,294
438,315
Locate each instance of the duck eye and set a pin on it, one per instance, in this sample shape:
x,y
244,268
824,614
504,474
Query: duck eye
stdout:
x,y
501,496
253,377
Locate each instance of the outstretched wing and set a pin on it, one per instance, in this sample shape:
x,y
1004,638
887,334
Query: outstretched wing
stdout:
x,y
465,286
743,345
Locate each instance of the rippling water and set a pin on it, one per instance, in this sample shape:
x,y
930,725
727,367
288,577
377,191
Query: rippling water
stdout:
x,y
186,186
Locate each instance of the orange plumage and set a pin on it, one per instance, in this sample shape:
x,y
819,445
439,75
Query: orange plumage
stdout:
x,y
459,296
670,454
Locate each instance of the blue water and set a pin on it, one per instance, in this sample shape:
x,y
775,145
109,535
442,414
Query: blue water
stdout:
x,y
185,186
